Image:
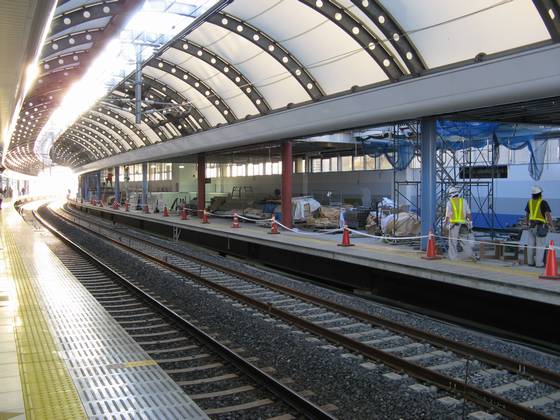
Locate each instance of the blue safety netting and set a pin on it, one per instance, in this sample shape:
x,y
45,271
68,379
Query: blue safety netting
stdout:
x,y
460,135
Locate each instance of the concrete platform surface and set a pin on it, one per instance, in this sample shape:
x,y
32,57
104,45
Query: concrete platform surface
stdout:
x,y
495,276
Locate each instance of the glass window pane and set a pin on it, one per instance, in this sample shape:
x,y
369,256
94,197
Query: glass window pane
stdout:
x,y
326,165
346,163
358,163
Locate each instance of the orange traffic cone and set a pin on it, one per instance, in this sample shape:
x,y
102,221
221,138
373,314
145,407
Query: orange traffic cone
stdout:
x,y
274,227
551,268
345,237
235,223
184,215
126,205
431,250
165,212
93,201
205,217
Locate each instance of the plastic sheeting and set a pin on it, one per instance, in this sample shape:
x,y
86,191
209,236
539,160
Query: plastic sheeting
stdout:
x,y
455,135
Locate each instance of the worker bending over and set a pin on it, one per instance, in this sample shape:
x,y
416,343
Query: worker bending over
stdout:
x,y
458,220
539,218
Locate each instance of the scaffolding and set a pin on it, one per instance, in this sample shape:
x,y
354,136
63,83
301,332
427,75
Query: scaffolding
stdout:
x,y
453,168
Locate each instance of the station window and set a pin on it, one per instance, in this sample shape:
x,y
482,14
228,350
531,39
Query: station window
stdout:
x,y
299,165
326,165
315,165
211,170
276,168
358,163
346,163
370,163
334,163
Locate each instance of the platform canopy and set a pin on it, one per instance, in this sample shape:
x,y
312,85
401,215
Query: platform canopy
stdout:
x,y
78,32
248,59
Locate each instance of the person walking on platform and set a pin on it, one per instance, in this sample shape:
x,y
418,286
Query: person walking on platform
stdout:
x,y
458,220
539,218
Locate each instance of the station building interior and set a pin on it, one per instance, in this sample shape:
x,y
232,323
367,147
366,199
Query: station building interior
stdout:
x,y
279,209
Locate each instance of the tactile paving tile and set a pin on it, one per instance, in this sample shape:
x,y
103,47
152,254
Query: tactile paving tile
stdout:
x,y
113,375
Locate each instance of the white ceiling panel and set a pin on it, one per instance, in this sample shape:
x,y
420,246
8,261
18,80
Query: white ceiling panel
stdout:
x,y
259,67
456,30
205,107
226,89
357,70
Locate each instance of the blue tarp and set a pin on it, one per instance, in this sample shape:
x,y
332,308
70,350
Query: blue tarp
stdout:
x,y
459,135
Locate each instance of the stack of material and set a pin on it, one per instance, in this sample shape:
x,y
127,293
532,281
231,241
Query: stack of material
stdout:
x,y
253,213
324,218
401,224
356,218
372,227
320,223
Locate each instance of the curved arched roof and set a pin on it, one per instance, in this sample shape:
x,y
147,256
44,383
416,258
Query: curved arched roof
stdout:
x,y
255,58
79,30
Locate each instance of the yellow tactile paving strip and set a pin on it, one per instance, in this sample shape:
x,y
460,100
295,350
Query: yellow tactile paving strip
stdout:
x,y
48,390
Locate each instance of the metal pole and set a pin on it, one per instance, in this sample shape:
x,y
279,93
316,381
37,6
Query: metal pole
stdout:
x,y
144,184
117,186
138,85
428,191
98,185
287,167
201,168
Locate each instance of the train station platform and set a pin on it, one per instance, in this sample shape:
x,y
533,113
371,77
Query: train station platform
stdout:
x,y
497,277
62,356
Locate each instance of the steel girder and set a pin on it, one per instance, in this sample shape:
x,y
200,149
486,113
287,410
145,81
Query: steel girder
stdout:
x,y
226,68
271,47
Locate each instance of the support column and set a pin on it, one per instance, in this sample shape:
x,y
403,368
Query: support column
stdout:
x,y
138,86
144,184
428,168
98,185
287,169
201,177
117,185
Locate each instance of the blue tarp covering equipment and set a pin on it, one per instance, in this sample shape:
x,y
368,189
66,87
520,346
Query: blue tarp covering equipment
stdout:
x,y
460,135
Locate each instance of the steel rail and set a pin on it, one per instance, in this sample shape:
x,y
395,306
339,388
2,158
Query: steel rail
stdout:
x,y
467,391
285,394
543,375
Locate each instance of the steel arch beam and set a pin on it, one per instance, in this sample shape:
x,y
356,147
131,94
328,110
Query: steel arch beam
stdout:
x,y
160,91
105,114
550,15
103,132
188,127
225,68
108,141
271,47
84,14
85,146
395,35
360,34
177,97
114,131
107,119
192,80
95,142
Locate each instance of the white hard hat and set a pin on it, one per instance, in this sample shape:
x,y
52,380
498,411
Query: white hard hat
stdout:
x,y
454,191
536,189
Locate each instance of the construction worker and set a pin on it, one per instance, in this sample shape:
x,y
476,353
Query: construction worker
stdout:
x,y
539,218
458,220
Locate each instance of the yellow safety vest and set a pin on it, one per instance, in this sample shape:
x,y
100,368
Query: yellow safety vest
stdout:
x,y
535,210
457,207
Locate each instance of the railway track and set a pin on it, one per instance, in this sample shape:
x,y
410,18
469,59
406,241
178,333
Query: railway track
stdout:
x,y
222,383
468,372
